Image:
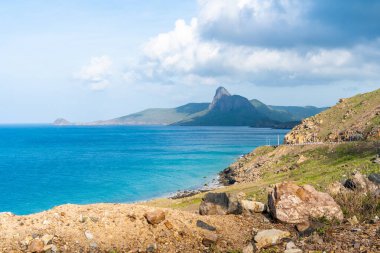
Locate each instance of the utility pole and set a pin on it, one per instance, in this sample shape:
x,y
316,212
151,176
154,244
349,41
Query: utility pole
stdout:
x,y
278,140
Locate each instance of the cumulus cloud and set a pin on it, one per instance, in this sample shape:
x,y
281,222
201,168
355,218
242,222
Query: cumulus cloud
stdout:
x,y
267,42
96,73
290,23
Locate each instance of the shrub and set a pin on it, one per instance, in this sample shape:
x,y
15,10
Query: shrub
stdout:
x,y
365,206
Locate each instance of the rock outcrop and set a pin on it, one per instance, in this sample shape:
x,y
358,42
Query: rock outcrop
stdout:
x,y
295,204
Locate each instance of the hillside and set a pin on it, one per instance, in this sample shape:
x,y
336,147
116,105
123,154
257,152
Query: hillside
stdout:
x,y
356,118
159,116
224,110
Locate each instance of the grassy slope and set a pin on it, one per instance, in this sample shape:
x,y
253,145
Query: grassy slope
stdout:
x,y
356,114
324,165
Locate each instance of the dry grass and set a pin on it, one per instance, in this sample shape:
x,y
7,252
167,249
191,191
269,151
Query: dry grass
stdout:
x,y
365,206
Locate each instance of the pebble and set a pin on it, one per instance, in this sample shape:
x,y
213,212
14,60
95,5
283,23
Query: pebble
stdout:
x,y
151,247
248,249
93,245
353,220
209,239
47,239
36,246
89,235
155,217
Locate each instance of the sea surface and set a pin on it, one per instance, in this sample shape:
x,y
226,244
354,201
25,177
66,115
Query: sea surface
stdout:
x,y
42,166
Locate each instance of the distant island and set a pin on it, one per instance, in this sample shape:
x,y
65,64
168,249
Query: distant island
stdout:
x,y
224,110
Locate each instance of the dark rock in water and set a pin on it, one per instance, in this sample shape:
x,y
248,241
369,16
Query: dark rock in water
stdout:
x,y
204,225
374,178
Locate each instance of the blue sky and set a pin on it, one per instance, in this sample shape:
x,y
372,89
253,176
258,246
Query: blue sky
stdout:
x,y
89,60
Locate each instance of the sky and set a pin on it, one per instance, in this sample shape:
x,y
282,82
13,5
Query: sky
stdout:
x,y
100,59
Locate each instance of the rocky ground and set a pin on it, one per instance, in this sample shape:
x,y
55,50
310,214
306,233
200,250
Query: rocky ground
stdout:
x,y
126,228
295,219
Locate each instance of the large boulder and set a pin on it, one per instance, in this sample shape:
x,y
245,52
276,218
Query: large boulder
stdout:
x,y
221,203
295,204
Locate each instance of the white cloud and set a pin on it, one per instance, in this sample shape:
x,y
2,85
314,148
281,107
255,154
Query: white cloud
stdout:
x,y
186,56
96,73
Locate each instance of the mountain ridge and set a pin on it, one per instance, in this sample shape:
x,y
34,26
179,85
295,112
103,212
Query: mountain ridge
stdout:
x,y
224,110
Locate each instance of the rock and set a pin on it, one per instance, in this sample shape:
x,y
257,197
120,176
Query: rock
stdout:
x,y
26,241
53,248
47,239
353,220
155,217
82,219
220,204
376,159
374,178
93,245
209,239
36,245
88,235
168,225
252,206
151,247
295,204
269,237
248,249
94,219
302,227
301,159
292,248
204,225
375,219
361,183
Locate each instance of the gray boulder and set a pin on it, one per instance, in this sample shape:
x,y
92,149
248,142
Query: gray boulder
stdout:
x,y
374,178
221,203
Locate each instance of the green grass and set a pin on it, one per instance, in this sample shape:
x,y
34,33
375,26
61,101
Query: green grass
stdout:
x,y
324,165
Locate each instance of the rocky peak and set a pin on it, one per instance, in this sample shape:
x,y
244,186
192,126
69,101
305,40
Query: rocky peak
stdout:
x,y
220,92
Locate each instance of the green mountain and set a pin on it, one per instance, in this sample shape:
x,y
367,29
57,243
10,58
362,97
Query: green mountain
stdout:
x,y
224,110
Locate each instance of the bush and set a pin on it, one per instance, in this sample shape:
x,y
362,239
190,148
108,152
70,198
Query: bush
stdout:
x,y
365,206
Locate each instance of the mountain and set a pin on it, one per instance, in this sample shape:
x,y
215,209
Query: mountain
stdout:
x,y
224,110
228,110
355,118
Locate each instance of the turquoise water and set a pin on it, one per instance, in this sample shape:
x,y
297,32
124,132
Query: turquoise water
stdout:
x,y
44,166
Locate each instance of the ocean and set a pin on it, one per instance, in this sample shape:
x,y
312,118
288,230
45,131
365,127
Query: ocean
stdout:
x,y
42,166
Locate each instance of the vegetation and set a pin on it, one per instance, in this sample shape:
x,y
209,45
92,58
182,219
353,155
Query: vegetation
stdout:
x,y
364,206
323,165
